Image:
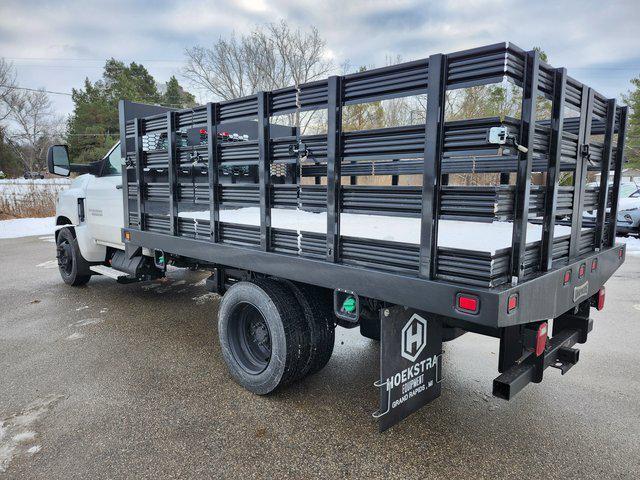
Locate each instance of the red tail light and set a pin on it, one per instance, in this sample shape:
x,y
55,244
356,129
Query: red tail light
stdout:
x,y
541,338
601,295
594,264
467,303
512,304
567,276
582,270
203,131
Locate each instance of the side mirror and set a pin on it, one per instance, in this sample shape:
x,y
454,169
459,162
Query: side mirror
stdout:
x,y
58,160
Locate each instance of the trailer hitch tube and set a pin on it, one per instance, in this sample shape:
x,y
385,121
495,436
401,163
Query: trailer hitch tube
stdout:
x,y
558,354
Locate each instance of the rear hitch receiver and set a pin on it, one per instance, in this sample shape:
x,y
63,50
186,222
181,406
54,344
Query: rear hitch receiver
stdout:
x,y
568,330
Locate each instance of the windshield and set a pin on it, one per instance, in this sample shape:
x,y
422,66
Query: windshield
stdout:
x,y
627,189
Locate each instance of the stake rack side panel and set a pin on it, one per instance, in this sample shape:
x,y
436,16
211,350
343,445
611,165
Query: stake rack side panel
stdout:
x,y
169,175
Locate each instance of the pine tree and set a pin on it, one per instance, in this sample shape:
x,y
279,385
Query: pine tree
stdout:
x,y
93,127
176,96
632,99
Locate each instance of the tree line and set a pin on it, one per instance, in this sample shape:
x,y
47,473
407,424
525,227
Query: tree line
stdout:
x,y
267,58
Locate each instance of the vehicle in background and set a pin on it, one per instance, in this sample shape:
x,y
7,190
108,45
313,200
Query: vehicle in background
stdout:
x,y
628,209
33,176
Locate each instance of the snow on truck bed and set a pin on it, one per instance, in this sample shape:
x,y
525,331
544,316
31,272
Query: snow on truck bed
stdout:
x,y
484,237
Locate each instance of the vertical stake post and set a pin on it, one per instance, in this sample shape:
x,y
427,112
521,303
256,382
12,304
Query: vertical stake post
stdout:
x,y
334,166
264,170
137,126
525,162
553,169
171,173
580,175
617,176
436,91
603,194
212,168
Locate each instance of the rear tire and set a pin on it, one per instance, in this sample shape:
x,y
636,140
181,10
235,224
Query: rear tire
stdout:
x,y
318,312
264,337
71,264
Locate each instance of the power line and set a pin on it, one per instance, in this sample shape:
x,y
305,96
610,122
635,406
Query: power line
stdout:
x,y
35,90
61,59
175,60
91,134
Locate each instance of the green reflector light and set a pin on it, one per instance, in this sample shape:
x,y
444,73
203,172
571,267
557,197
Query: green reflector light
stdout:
x,y
349,304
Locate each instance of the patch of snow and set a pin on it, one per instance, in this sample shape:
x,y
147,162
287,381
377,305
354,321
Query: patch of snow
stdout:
x,y
48,264
84,307
486,237
35,181
87,321
17,430
202,299
75,336
632,243
27,227
169,285
24,436
15,189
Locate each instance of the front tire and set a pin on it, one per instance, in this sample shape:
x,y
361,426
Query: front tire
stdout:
x,y
264,337
71,264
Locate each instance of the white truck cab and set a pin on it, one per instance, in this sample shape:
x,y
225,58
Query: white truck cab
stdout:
x,y
91,210
94,206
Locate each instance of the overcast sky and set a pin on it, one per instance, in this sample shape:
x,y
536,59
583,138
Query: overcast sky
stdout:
x,y
56,44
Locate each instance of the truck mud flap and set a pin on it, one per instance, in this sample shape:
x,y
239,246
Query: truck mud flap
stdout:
x,y
410,363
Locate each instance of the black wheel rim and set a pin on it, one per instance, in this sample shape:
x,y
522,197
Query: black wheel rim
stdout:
x,y
65,257
249,338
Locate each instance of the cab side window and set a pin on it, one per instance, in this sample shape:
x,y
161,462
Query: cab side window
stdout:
x,y
113,165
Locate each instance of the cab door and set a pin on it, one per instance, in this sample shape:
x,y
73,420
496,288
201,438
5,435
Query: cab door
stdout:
x,y
104,209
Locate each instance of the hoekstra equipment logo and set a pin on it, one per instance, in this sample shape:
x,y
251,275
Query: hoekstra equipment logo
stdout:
x,y
414,337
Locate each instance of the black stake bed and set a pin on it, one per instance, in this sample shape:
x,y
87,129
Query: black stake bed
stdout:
x,y
184,192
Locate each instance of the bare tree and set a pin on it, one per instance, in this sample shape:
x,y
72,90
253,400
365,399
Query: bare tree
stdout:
x,y
7,85
33,127
270,57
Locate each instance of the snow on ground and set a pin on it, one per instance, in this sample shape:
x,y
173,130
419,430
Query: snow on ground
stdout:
x,y
19,187
633,245
17,432
485,237
26,227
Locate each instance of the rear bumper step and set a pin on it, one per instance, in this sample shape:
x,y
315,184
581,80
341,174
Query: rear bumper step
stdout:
x,y
558,354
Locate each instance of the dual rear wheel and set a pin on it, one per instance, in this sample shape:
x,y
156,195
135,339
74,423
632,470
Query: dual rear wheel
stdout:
x,y
274,332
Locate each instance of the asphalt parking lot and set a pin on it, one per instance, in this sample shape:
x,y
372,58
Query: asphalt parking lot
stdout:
x,y
114,381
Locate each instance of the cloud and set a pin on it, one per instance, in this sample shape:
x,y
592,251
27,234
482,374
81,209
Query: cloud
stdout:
x,y
597,41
